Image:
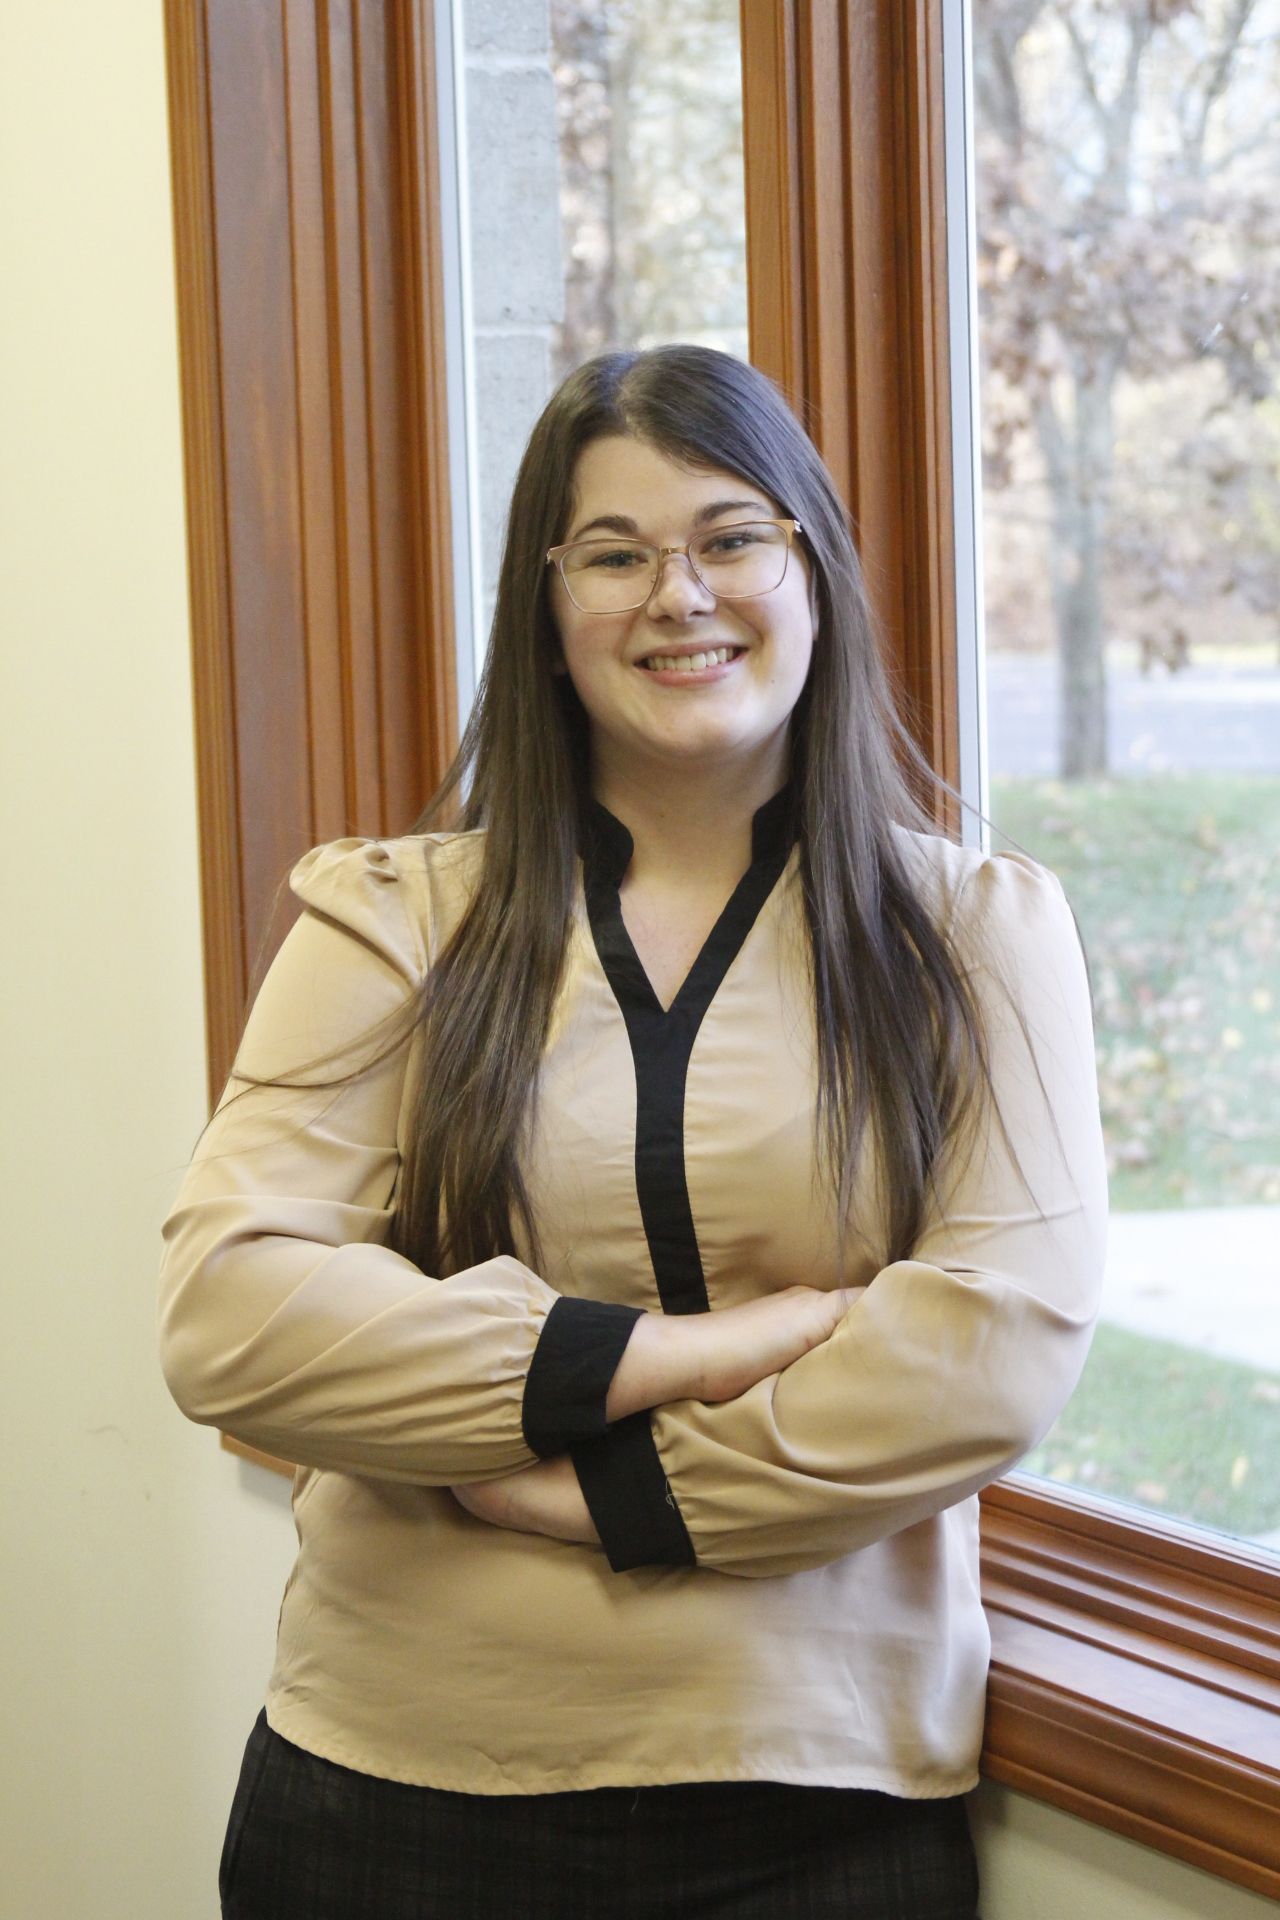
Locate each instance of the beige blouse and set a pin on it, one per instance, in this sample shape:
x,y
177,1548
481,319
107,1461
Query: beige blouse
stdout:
x,y
788,1587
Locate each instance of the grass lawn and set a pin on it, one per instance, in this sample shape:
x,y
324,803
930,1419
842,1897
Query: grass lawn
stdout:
x,y
1185,1433
1175,879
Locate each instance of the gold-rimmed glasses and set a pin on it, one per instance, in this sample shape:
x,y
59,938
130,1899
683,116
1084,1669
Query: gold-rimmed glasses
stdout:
x,y
739,562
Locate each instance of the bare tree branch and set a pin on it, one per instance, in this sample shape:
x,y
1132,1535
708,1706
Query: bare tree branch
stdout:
x,y
1219,80
1088,79
1120,131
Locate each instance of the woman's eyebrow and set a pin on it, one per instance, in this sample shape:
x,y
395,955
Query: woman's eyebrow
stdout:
x,y
717,507
609,523
622,524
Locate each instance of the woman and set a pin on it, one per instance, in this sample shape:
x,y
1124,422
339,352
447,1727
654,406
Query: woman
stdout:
x,y
606,1603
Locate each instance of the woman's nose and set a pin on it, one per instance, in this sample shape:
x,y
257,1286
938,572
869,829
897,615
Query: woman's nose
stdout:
x,y
677,591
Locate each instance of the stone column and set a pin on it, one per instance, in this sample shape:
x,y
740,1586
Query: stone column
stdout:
x,y
517,279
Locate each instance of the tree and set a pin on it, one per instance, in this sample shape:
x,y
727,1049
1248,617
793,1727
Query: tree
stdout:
x,y
649,101
1128,235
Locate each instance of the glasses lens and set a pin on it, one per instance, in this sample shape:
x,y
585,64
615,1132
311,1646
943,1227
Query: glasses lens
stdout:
x,y
740,561
608,576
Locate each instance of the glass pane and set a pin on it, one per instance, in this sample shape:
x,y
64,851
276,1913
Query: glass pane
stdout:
x,y
1129,308
605,207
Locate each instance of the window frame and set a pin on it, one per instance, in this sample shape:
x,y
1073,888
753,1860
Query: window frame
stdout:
x,y
313,348
1135,1673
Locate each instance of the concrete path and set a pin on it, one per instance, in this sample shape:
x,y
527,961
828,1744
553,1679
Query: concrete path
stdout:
x,y
1205,1277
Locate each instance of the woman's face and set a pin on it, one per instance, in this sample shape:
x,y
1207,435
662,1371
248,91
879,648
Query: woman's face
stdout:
x,y
650,719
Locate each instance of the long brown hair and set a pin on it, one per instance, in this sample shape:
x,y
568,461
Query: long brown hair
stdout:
x,y
900,1043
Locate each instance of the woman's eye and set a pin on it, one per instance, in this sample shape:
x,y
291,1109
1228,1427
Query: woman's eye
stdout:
x,y
732,541
616,558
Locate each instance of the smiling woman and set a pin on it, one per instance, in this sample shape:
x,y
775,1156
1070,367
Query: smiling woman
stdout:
x,y
687,669
619,1194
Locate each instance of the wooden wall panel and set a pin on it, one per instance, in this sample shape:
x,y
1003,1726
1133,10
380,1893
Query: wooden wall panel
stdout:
x,y
847,286
303,142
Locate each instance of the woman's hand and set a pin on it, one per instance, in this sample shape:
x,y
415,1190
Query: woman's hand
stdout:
x,y
703,1356
544,1498
717,1356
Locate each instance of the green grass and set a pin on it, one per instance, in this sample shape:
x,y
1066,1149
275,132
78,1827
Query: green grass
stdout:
x,y
1173,1430
1176,882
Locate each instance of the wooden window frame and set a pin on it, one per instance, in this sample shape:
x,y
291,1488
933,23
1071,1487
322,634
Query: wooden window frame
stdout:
x,y
306,206
1135,1674
1136,1665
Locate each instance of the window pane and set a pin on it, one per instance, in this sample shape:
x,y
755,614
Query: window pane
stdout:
x,y
1129,307
604,193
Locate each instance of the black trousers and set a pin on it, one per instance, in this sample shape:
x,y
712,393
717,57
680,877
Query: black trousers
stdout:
x,y
309,1840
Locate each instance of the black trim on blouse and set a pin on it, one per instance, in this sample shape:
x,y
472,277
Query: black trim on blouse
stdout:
x,y
629,1500
621,1473
662,1039
573,1363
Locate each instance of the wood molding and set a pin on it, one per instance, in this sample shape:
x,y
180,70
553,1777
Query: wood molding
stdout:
x,y
847,291
306,225
243,1451
771,121
1135,1677
209,598
929,584
426,386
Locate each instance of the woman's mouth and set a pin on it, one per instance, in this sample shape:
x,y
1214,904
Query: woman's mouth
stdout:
x,y
693,662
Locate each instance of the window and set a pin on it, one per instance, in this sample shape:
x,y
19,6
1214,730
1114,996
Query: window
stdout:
x,y
1129,293
598,156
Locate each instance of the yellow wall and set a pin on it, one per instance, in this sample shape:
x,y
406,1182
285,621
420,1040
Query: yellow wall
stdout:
x,y
1038,1864
142,1565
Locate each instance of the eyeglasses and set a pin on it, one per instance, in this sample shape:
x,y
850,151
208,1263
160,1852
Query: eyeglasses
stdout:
x,y
733,563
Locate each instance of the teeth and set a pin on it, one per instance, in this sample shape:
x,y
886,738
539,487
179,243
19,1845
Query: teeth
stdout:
x,y
688,662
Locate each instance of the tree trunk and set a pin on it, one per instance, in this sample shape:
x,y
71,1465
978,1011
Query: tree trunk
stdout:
x,y
1078,462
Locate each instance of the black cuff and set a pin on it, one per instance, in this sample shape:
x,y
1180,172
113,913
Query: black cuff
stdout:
x,y
573,1363
629,1499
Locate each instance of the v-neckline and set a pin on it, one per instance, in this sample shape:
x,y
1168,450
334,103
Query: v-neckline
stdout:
x,y
607,847
662,1041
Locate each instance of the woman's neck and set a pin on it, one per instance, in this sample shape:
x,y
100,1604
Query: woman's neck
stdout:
x,y
692,824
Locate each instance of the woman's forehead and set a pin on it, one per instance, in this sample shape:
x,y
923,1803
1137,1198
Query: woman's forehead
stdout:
x,y
623,477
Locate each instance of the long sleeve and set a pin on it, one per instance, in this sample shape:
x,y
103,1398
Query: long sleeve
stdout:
x,y
951,1364
285,1318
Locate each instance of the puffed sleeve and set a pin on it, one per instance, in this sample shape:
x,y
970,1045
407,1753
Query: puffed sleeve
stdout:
x,y
285,1318
952,1364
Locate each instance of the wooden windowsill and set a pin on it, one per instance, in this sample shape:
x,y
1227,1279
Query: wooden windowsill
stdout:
x,y
1135,1676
